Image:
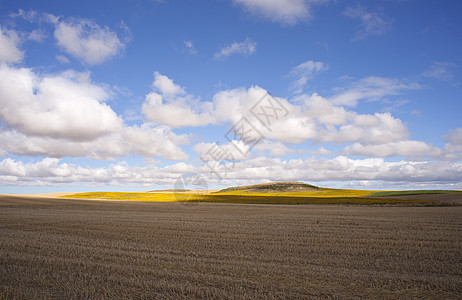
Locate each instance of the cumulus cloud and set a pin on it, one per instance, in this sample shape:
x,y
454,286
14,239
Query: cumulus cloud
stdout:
x,y
67,105
320,151
336,124
166,86
454,136
171,105
173,113
228,152
288,12
65,115
145,140
41,116
406,148
228,106
453,146
372,24
378,128
312,117
305,118
276,149
324,110
52,171
232,105
304,72
247,47
9,42
81,38
342,168
87,41
321,120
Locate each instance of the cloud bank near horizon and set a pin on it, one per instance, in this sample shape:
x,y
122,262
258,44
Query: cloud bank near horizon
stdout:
x,y
62,127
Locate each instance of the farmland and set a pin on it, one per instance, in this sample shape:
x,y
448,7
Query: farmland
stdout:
x,y
251,198
273,194
69,248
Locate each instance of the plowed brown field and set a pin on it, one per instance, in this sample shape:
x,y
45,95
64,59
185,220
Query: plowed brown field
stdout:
x,y
63,248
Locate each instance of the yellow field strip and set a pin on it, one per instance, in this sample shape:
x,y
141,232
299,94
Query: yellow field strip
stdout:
x,y
169,196
321,193
328,197
126,196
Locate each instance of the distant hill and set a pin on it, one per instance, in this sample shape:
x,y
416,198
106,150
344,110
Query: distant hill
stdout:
x,y
169,191
272,187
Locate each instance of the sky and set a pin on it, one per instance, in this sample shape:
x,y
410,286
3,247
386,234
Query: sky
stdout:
x,y
136,95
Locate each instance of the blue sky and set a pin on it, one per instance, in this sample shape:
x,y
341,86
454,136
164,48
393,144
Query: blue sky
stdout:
x,y
132,95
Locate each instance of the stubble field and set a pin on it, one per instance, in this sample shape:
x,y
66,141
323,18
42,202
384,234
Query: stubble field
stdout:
x,y
63,248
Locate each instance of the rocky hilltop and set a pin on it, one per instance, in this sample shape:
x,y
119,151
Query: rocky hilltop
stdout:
x,y
272,187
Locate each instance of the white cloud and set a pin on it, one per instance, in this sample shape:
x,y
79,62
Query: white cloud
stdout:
x,y
453,152
416,112
440,70
226,152
325,111
36,35
378,128
320,151
173,113
62,100
342,168
232,105
65,115
67,105
82,38
62,59
288,12
227,106
9,51
247,47
308,117
50,18
372,24
371,88
190,47
317,118
454,136
145,140
453,146
402,148
166,86
31,15
392,106
28,15
276,149
305,72
173,106
128,36
17,143
336,124
87,41
51,171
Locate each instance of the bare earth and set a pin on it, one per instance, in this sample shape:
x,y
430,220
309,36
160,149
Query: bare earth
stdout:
x,y
453,199
60,248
